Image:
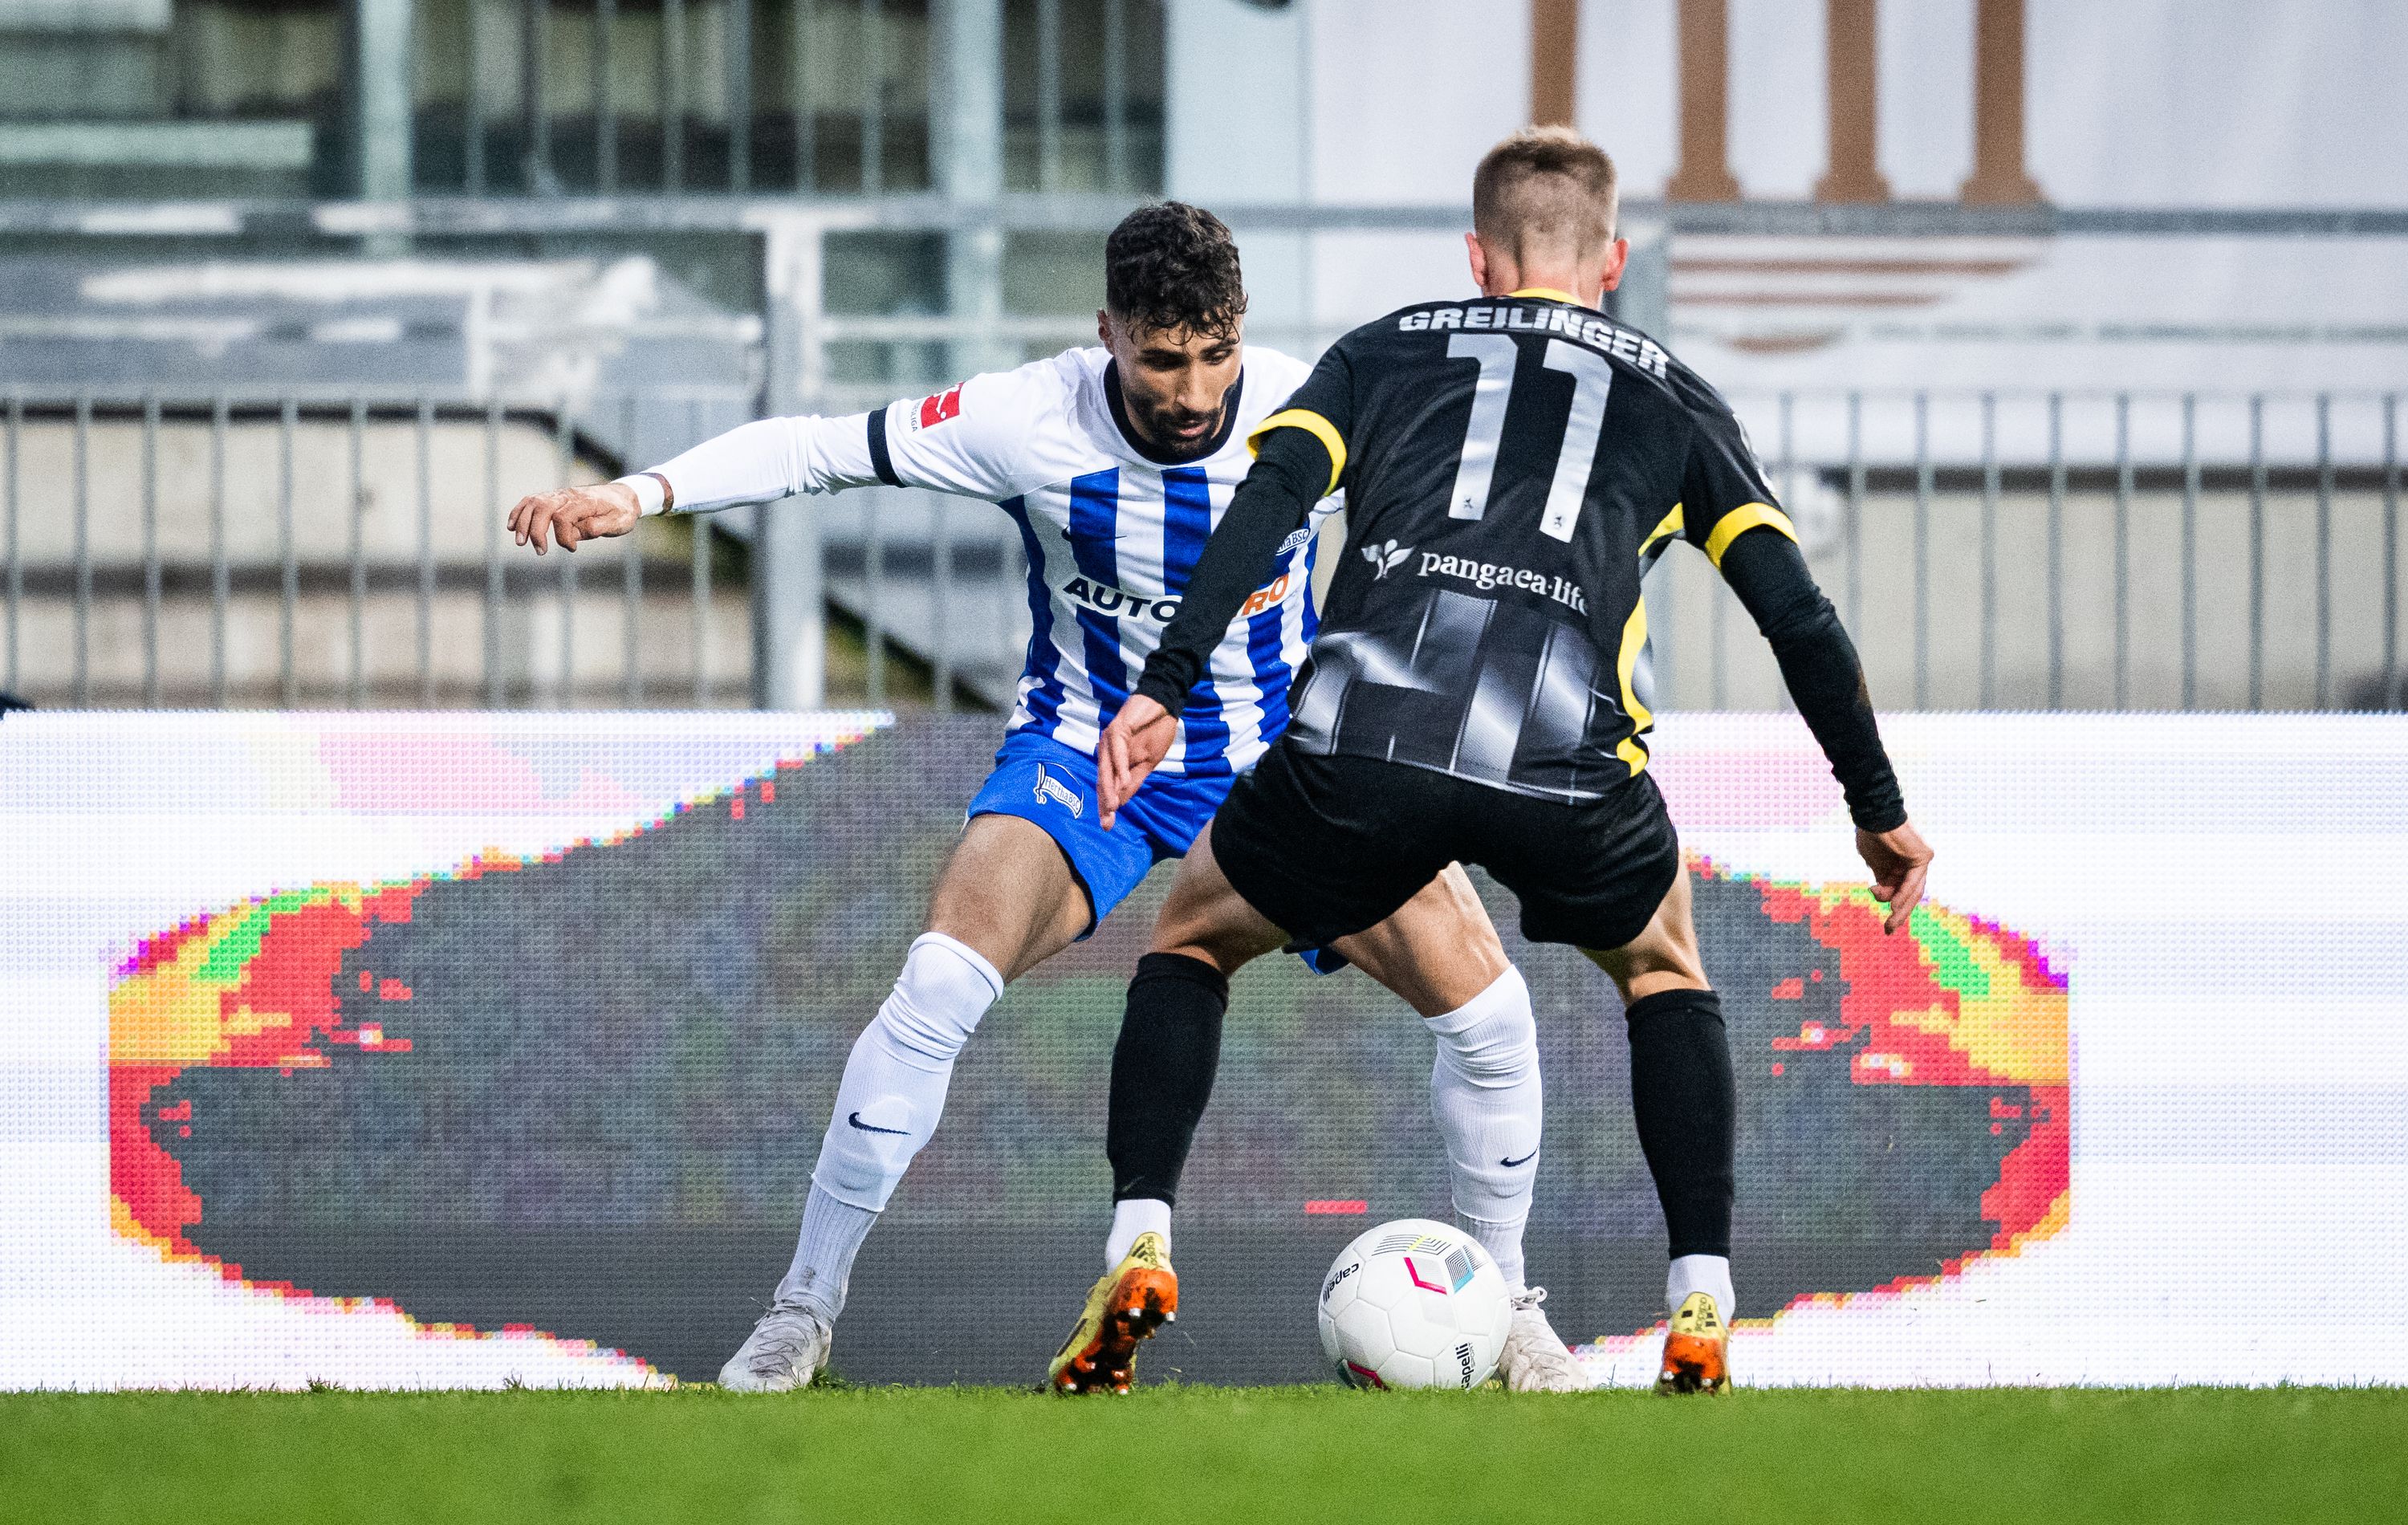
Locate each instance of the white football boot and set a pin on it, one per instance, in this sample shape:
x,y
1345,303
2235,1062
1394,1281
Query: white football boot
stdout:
x,y
1535,1358
785,1348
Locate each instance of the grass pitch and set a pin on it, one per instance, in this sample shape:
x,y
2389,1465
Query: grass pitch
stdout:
x,y
1198,1453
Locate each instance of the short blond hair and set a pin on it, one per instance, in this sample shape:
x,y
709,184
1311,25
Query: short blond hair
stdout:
x,y
1544,190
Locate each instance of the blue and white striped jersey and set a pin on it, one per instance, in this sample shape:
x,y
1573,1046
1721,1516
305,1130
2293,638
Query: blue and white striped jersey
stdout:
x,y
1110,533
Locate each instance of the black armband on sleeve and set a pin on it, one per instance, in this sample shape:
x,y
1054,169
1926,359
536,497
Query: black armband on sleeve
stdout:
x,y
1819,663
881,460
1289,476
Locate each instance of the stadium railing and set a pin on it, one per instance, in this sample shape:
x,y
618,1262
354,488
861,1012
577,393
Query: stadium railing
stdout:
x,y
1988,549
258,551
2062,550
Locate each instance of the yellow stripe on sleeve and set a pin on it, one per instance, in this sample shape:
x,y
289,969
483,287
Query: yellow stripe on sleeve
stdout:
x,y
1730,527
1311,424
1669,525
1634,640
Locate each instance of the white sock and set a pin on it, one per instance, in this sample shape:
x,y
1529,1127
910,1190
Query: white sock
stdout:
x,y
824,1251
1707,1273
1503,1241
1486,1097
1131,1218
886,1107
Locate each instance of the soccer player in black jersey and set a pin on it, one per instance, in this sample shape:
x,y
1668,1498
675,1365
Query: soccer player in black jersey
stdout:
x,y
1513,465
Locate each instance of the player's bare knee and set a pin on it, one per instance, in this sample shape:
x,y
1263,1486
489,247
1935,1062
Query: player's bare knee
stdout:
x,y
1437,952
1663,956
1212,923
1206,919
1652,966
1218,946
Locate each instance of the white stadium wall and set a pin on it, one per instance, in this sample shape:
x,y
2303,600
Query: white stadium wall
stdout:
x,y
450,1050
2163,103
2145,103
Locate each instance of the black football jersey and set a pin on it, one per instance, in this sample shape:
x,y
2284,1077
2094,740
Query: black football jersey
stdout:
x,y
1511,466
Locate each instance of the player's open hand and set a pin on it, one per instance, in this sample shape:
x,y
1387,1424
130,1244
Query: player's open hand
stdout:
x,y
1900,859
1138,736
574,514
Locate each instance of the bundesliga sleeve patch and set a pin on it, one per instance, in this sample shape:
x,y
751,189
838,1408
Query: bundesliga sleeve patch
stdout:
x,y
944,404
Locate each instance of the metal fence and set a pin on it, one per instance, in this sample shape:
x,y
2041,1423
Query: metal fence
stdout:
x,y
1987,550
2161,550
289,550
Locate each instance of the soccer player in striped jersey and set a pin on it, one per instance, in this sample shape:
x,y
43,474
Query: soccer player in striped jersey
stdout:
x,y
1114,463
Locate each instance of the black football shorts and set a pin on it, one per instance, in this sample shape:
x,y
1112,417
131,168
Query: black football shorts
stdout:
x,y
1325,846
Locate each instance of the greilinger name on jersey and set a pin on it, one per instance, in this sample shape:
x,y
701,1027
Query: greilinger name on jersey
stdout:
x,y
1485,575
1573,323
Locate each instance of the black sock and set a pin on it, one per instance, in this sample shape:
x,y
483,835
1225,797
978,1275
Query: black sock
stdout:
x,y
1162,1071
1686,1105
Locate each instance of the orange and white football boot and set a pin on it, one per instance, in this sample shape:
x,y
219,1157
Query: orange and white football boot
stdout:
x,y
1127,1303
1697,1349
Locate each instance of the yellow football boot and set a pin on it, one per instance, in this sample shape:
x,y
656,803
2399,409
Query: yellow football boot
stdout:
x,y
1696,1351
1127,1304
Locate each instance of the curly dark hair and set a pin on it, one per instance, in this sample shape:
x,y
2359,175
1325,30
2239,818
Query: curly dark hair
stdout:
x,y
1174,267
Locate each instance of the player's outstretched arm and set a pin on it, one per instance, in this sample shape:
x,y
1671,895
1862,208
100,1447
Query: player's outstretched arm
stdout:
x,y
1289,476
754,463
967,441
1819,663
774,458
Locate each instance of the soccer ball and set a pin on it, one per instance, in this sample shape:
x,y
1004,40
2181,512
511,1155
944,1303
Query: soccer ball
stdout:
x,y
1414,1304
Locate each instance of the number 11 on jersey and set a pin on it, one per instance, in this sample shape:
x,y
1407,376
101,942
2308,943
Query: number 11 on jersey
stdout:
x,y
1498,355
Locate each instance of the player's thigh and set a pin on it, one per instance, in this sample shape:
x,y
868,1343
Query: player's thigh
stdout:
x,y
1007,891
1438,952
1662,958
1206,919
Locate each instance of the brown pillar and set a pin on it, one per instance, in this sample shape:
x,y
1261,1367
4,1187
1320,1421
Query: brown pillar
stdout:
x,y
1555,58
1998,178
1850,36
1704,173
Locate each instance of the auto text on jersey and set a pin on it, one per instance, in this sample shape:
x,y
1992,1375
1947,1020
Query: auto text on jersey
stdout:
x,y
1105,599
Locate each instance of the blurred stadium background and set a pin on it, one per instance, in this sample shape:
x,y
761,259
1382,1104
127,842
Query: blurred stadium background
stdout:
x,y
2073,334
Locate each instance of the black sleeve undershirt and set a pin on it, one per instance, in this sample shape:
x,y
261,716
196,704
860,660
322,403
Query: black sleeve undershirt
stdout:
x,y
1290,474
1819,663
